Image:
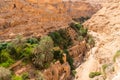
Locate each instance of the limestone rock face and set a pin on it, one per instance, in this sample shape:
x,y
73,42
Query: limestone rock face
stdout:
x,y
57,71
105,27
107,18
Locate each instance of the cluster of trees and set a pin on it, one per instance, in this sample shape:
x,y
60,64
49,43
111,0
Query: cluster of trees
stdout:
x,y
41,52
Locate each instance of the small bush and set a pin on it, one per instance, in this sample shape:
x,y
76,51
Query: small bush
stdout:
x,y
83,31
76,26
80,38
79,29
28,50
3,46
32,40
5,74
90,40
117,54
40,76
104,67
14,77
93,74
58,54
5,59
19,49
25,76
16,48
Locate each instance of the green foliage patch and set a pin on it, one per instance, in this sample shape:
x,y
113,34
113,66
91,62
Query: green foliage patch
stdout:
x,y
17,77
104,67
90,40
5,59
93,74
61,38
117,54
79,29
42,54
58,54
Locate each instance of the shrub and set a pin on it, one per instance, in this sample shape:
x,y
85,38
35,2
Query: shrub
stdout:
x,y
76,26
56,38
83,31
3,46
79,29
5,74
19,49
40,76
104,67
67,41
61,38
117,54
90,40
43,52
58,54
32,41
80,38
93,74
5,59
25,76
14,77
28,50
16,48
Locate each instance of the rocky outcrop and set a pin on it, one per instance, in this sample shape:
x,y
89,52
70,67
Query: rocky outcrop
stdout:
x,y
108,20
57,71
77,52
105,27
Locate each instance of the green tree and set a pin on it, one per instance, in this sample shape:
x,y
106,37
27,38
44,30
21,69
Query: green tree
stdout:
x,y
42,54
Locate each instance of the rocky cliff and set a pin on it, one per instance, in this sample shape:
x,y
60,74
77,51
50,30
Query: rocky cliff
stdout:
x,y
105,27
36,17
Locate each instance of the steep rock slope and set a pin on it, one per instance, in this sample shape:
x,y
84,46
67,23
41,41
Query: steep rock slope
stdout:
x,y
36,17
105,27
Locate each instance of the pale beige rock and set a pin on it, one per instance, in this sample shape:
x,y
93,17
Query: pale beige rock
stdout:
x,y
105,27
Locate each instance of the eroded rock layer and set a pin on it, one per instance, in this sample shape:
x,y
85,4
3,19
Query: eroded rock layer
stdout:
x,y
36,18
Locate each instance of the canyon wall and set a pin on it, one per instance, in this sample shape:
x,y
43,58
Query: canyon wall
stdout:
x,y
29,18
105,27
